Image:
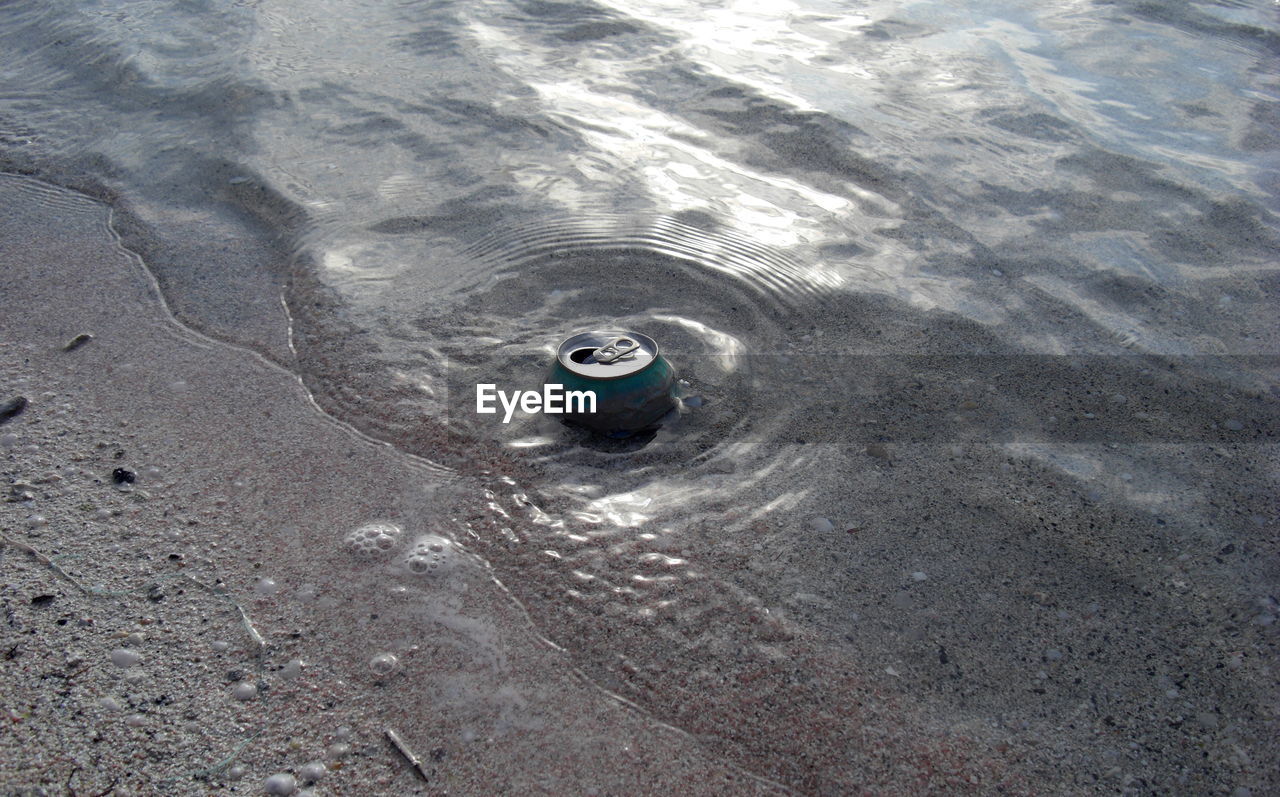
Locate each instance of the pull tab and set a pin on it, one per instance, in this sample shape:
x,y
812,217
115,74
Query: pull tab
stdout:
x,y
616,349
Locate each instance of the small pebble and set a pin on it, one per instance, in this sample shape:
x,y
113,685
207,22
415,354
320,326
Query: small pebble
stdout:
x,y
12,408
1234,424
281,783
219,646
919,575
244,691
291,670
1053,654
109,704
123,657
8,440
822,525
135,720
237,771
266,586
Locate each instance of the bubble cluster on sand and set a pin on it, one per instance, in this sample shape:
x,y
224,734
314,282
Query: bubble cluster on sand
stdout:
x,y
373,538
431,555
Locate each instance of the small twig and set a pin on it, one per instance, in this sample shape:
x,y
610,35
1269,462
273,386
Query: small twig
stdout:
x,y
224,763
244,616
77,341
408,754
110,788
253,632
22,546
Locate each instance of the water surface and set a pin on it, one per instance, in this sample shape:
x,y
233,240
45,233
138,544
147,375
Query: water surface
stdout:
x,y
991,290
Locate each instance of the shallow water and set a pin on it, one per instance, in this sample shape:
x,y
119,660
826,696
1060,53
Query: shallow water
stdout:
x,y
991,289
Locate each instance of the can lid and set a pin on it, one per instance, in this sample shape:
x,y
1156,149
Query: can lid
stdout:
x,y
609,354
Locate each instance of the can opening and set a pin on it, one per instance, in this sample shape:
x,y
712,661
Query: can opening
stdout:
x,y
581,355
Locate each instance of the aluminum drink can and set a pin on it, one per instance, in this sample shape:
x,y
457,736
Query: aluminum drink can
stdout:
x,y
632,383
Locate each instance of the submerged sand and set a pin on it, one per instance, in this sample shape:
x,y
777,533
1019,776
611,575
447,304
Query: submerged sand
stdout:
x,y
239,478
1021,624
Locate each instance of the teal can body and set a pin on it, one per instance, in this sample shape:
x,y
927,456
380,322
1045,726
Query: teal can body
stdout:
x,y
633,384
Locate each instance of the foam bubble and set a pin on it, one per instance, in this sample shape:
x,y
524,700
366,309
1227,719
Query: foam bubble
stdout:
x,y
373,538
431,555
124,658
384,664
313,771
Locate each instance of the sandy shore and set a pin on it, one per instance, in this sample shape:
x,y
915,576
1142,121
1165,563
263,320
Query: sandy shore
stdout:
x,y
203,627
183,609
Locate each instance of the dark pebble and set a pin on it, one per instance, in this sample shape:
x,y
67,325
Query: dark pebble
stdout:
x,y
12,408
42,600
122,475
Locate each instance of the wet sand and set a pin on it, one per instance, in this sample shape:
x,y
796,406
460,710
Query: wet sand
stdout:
x,y
238,478
1001,668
